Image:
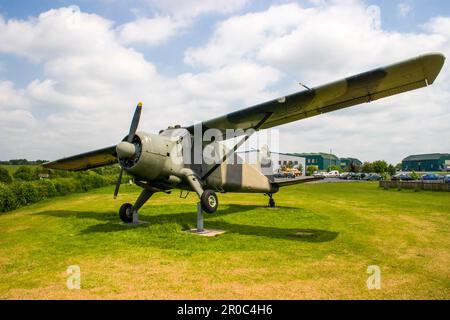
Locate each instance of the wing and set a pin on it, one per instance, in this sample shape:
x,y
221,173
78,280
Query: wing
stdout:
x,y
84,161
365,87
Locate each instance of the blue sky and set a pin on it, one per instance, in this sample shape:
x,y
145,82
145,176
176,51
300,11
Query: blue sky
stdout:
x,y
188,65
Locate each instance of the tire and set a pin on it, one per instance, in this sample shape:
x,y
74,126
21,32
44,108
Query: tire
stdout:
x,y
271,203
209,201
125,213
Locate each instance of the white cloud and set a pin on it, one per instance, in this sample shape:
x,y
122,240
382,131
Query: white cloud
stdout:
x,y
404,9
151,31
239,37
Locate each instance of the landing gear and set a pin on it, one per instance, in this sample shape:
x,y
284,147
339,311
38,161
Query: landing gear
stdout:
x,y
209,201
129,213
271,201
208,198
125,213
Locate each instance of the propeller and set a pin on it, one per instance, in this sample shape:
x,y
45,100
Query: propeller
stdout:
x,y
126,149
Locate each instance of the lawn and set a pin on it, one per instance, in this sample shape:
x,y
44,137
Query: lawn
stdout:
x,y
316,245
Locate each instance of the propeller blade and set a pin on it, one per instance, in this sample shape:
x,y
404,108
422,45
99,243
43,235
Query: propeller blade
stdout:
x,y
135,122
119,181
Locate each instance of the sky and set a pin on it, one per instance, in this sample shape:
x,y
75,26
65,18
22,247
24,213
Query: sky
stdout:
x,y
71,72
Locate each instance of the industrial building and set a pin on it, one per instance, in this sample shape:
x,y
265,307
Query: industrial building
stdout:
x,y
277,160
322,160
346,162
427,162
286,159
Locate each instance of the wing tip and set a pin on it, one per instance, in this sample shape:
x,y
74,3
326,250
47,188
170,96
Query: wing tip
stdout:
x,y
432,64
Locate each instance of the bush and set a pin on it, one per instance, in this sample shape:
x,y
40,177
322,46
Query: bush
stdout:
x,y
25,173
5,176
22,193
46,188
334,168
25,192
67,185
8,199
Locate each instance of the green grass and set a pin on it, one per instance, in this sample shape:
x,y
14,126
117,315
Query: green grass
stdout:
x,y
316,245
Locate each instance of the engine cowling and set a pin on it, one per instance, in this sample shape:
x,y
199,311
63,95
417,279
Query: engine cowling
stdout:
x,y
150,159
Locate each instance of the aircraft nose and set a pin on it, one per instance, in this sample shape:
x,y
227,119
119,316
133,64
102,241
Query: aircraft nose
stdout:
x,y
125,149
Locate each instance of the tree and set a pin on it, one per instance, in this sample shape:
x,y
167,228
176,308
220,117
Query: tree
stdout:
x,y
311,169
25,173
334,168
380,166
5,176
414,175
367,167
391,170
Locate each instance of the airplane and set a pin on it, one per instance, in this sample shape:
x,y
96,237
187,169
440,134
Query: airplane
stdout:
x,y
157,162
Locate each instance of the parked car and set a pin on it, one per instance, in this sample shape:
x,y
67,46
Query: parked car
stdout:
x,y
333,174
319,174
361,176
344,175
431,177
447,178
351,176
374,177
402,177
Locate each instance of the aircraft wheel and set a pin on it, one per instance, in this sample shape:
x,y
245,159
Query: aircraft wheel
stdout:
x,y
209,201
125,213
271,202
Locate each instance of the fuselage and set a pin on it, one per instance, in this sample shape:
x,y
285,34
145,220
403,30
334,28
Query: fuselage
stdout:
x,y
161,158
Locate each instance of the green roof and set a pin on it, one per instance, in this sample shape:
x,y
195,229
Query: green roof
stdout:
x,y
350,159
318,154
429,156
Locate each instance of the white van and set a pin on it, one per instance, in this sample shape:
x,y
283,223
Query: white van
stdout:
x,y
333,174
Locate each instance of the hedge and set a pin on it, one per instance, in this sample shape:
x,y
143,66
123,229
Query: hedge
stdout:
x,y
22,193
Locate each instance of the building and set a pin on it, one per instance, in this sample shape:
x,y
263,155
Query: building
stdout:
x,y
277,160
346,162
287,159
427,162
322,160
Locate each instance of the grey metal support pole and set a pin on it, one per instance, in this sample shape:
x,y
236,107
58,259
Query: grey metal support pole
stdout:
x,y
141,200
199,218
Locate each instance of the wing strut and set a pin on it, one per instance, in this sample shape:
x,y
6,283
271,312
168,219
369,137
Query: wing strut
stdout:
x,y
237,145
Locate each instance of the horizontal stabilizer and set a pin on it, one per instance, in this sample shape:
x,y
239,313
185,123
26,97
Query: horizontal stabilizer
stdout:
x,y
289,182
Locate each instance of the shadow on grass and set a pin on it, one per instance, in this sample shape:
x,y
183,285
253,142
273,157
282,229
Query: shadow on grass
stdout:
x,y
187,220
